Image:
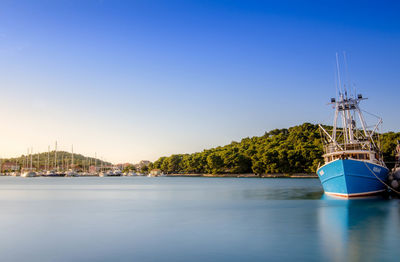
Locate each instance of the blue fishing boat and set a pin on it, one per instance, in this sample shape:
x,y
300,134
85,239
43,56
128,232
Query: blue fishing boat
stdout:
x,y
353,161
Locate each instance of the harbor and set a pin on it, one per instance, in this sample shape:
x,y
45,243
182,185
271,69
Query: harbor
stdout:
x,y
222,215
199,131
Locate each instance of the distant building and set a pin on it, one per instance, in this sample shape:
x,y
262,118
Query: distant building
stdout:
x,y
8,166
122,166
155,172
94,169
126,165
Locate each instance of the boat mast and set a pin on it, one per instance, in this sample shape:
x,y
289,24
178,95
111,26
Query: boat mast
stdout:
x,y
352,101
335,121
38,161
347,106
72,158
27,159
362,120
31,158
48,158
55,157
341,100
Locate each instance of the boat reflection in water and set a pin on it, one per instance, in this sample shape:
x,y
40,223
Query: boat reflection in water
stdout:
x,y
362,229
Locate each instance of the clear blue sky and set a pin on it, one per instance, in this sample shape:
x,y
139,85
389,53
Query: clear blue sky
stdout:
x,y
136,80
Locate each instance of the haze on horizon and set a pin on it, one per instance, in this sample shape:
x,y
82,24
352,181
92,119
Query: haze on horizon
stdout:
x,y
135,80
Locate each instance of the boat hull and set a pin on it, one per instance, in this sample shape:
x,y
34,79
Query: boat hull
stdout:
x,y
352,178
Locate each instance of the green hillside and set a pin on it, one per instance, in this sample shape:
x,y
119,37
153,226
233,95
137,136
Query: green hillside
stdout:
x,y
294,150
63,159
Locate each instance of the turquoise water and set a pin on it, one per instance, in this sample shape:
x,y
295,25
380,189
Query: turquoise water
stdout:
x,y
190,219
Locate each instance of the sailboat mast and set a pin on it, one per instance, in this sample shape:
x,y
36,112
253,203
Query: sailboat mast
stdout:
x,y
48,158
55,157
27,158
31,157
72,159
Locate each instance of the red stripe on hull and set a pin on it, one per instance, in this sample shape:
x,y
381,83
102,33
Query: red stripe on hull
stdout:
x,y
355,195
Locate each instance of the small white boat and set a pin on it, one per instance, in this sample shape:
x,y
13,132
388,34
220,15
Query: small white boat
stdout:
x,y
103,174
155,173
71,173
15,174
50,173
29,174
117,172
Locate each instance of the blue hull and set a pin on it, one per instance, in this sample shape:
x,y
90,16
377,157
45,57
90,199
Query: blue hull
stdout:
x,y
350,177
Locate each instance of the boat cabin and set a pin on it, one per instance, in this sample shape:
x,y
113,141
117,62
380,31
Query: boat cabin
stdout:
x,y
359,155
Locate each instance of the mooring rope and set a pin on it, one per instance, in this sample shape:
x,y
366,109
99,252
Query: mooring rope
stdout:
x,y
394,190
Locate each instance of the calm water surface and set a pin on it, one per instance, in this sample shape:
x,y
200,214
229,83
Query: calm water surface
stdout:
x,y
190,219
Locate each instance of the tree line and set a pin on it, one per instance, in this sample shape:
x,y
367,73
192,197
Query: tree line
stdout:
x,y
294,150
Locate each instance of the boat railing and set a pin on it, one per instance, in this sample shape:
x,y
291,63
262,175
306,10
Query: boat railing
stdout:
x,y
331,148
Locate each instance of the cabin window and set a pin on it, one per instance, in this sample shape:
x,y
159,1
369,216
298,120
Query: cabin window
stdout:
x,y
354,156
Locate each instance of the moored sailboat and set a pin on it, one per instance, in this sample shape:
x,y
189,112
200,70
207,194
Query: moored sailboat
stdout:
x,y
28,172
71,172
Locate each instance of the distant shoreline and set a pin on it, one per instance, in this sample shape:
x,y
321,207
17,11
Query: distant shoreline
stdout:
x,y
299,175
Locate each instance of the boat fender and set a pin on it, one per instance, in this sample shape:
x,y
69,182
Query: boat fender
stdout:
x,y
392,188
395,184
390,178
396,174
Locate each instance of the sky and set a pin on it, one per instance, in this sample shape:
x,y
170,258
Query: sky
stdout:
x,y
133,80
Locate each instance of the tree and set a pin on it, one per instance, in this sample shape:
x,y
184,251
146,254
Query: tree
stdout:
x,y
297,149
129,168
215,163
145,169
